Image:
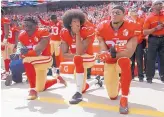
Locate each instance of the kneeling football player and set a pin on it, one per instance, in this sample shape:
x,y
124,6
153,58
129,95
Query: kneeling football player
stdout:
x,y
118,37
78,39
36,57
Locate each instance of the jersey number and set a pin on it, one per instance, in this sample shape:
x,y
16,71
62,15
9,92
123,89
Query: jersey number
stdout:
x,y
10,34
55,30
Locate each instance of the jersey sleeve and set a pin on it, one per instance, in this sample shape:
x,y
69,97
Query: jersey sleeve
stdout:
x,y
44,33
64,34
22,37
88,32
46,23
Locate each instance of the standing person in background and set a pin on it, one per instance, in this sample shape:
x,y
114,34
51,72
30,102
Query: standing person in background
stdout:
x,y
13,39
138,55
55,26
6,47
154,27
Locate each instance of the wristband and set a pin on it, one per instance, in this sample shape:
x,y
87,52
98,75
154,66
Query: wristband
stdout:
x,y
113,52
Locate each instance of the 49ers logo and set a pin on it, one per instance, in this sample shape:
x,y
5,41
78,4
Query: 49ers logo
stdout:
x,y
125,32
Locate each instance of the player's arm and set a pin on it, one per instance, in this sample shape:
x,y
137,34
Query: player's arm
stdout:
x,y
102,44
119,51
46,23
86,43
150,31
41,45
82,45
64,49
99,36
38,48
147,30
130,48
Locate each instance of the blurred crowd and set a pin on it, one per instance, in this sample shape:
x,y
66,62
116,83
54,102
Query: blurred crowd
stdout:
x,y
96,13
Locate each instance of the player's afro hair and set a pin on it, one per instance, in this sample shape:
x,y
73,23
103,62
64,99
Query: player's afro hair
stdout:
x,y
70,14
32,20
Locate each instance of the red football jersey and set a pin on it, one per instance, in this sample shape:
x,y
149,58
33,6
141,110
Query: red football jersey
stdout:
x,y
152,20
31,41
55,29
111,37
89,24
85,32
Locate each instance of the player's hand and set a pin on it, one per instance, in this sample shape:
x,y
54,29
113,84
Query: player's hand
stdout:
x,y
113,52
159,27
96,55
106,57
117,48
